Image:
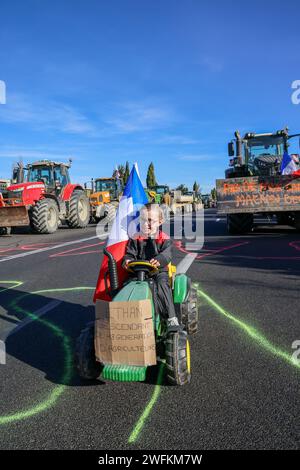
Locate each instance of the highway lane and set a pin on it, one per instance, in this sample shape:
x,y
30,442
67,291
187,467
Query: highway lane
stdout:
x,y
244,392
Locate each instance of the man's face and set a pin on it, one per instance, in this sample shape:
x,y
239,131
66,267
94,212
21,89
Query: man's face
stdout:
x,y
150,221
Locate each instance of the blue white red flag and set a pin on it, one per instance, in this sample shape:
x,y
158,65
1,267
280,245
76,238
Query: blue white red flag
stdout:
x,y
124,226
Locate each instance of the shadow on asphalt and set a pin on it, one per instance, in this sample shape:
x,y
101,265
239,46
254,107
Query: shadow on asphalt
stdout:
x,y
43,347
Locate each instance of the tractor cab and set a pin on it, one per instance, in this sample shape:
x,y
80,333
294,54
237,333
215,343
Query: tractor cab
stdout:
x,y
54,175
109,188
159,194
105,197
160,189
257,154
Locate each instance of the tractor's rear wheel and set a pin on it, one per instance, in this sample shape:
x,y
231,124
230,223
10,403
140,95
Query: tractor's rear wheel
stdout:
x,y
189,312
178,361
44,217
237,224
79,210
85,359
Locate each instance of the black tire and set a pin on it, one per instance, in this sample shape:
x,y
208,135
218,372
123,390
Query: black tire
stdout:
x,y
177,358
110,212
44,217
238,224
79,210
85,359
5,231
189,312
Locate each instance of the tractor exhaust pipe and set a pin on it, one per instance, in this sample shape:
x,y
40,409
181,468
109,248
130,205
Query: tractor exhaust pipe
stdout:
x,y
113,272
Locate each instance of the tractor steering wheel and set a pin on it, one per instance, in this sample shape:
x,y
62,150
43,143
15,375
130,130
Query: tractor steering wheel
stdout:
x,y
135,267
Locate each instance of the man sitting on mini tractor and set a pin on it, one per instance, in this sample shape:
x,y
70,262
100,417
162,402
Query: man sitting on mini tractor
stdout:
x,y
173,301
154,246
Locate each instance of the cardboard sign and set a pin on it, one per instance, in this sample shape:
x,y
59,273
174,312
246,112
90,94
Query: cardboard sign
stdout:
x,y
124,333
258,194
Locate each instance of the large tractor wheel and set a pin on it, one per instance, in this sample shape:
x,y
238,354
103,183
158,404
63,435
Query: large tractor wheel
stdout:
x,y
238,224
178,361
44,216
110,212
79,210
85,359
189,312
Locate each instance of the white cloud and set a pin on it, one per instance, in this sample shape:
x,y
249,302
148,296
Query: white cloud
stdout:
x,y
47,115
136,117
28,154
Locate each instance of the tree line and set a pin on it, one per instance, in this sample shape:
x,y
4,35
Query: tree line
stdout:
x,y
151,181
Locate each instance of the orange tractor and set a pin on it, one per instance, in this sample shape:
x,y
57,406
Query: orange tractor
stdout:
x,y
105,197
43,198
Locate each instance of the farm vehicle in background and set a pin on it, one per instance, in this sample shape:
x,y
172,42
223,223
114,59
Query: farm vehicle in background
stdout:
x,y
43,197
254,183
104,197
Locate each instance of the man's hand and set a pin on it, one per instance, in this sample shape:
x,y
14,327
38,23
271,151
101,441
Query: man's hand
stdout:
x,y
155,263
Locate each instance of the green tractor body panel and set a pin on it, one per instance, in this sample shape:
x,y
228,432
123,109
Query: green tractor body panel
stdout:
x,y
180,288
123,373
135,290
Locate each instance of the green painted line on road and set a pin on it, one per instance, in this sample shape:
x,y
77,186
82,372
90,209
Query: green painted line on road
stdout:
x,y
138,427
57,391
252,332
12,284
248,329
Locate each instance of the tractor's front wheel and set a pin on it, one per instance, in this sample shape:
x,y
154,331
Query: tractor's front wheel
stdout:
x,y
44,216
178,360
85,359
110,211
79,210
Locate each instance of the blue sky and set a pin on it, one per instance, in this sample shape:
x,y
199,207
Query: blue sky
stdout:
x,y
164,81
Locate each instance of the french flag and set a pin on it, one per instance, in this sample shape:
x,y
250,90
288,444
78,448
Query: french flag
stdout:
x,y
288,165
124,226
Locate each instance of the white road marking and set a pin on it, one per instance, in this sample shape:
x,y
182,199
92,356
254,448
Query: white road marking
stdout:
x,y
39,313
2,353
49,248
186,263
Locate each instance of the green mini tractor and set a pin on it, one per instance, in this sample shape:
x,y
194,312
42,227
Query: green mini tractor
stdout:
x,y
172,345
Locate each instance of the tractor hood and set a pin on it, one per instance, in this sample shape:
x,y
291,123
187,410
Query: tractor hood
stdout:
x,y
28,185
28,193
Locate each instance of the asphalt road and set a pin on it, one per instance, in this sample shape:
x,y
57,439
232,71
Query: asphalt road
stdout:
x,y
244,392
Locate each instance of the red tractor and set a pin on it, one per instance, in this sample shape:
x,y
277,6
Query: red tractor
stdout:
x,y
43,198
